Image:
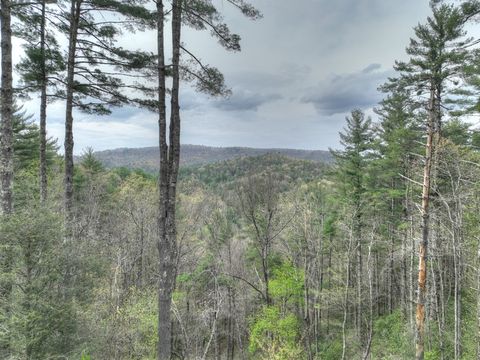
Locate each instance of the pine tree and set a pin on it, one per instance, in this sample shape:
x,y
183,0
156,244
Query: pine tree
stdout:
x,y
41,65
398,149
199,14
438,53
352,162
97,67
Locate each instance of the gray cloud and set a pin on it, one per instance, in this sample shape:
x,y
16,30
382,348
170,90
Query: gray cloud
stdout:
x,y
371,68
244,100
342,93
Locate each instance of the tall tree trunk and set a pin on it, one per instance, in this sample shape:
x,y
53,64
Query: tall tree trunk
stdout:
x,y
478,293
6,143
359,276
72,49
231,309
6,170
367,351
345,312
169,164
457,293
164,299
422,251
345,301
43,112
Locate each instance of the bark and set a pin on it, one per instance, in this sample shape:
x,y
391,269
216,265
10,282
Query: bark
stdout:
x,y
164,298
6,170
392,250
345,311
422,251
438,310
231,310
6,162
457,293
359,278
345,302
72,48
367,351
43,112
266,279
478,299
169,164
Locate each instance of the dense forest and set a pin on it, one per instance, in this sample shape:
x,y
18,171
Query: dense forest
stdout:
x,y
374,255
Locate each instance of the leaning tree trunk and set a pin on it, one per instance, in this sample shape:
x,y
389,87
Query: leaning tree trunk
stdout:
x,y
72,48
43,112
422,251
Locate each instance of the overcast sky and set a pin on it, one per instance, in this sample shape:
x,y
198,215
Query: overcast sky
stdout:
x,y
302,68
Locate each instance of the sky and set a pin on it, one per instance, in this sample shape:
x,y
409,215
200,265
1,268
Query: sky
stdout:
x,y
303,67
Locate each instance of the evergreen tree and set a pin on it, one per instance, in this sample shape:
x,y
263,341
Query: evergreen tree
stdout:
x,y
199,14
397,148
352,162
97,67
438,53
27,137
39,69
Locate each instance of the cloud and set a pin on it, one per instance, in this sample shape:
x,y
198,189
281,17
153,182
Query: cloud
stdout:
x,y
342,93
371,68
244,100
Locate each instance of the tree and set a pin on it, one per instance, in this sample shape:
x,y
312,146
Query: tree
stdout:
x,y
6,146
357,141
27,137
437,55
397,147
198,14
41,63
40,315
97,68
260,207
6,170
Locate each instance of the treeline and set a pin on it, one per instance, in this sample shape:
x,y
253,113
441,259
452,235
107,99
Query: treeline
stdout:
x,y
375,257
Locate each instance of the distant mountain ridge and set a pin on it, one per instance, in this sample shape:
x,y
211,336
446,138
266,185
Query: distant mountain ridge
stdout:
x,y
147,158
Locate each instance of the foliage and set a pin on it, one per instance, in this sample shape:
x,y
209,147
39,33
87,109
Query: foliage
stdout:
x,y
391,337
275,335
40,313
286,285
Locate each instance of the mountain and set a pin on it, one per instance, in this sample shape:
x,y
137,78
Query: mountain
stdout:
x,y
147,158
228,172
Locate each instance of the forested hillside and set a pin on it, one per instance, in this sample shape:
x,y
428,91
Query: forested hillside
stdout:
x,y
147,158
371,252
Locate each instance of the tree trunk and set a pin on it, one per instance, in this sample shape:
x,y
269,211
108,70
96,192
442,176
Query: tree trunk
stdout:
x,y
6,143
6,109
457,294
265,253
164,292
169,164
359,278
345,312
345,302
72,48
422,251
43,112
478,296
